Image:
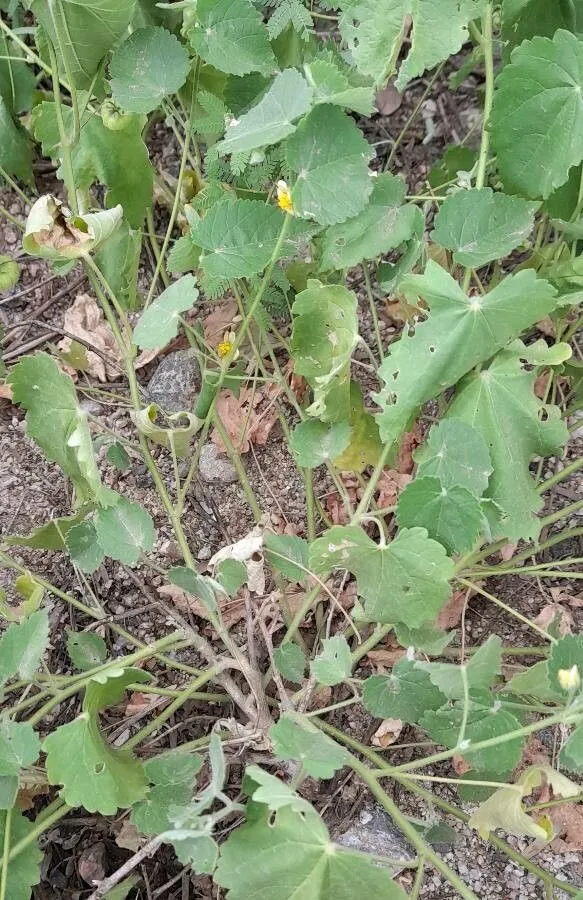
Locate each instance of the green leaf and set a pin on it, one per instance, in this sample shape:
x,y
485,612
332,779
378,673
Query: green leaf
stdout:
x,y
190,581
564,654
9,273
15,148
427,639
330,85
313,442
444,726
571,756
374,30
184,256
159,324
296,738
125,531
117,159
172,778
523,19
32,591
109,687
271,120
325,333
8,791
457,454
382,225
195,849
334,664
52,233
240,237
330,157
480,225
451,515
231,574
404,694
84,548
290,661
24,869
458,334
119,260
455,159
534,682
500,403
290,12
19,746
86,649
272,791
149,65
481,670
118,457
288,855
121,890
537,114
230,35
22,646
92,774
405,581
174,431
91,28
283,551
17,80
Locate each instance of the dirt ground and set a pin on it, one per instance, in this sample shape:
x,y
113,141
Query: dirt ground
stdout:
x,y
33,491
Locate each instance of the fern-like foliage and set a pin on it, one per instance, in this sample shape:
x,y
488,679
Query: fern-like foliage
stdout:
x,y
289,12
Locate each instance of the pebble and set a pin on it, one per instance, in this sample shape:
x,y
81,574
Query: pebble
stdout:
x,y
175,384
374,833
214,468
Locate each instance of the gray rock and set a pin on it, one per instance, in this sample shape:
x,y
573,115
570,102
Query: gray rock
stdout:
x,y
214,468
375,833
175,384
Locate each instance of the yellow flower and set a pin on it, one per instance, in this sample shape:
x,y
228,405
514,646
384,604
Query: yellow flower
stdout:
x,y
225,347
284,199
569,679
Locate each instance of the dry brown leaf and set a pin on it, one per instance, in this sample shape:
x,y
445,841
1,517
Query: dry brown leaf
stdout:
x,y
508,551
541,384
28,792
389,486
91,863
140,703
248,418
388,99
321,697
411,440
561,596
5,392
387,733
567,821
552,612
128,837
400,310
460,765
147,356
546,326
219,321
385,658
85,321
232,611
451,614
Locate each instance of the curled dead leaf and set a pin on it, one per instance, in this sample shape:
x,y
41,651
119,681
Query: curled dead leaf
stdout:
x,y
557,616
389,486
218,321
85,320
387,733
232,611
388,99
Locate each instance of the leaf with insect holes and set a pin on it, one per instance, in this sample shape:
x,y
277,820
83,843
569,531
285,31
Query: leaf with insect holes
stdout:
x,y
330,157
500,403
481,225
19,746
564,654
22,646
89,30
283,551
86,649
287,855
160,322
56,423
451,515
15,147
406,693
117,159
273,792
313,442
149,65
84,548
334,664
483,723
457,454
374,30
537,115
504,808
404,581
325,333
239,237
50,536
102,778
230,35
481,670
459,333
290,661
24,870
384,224
330,85
271,119
296,738
125,531
172,778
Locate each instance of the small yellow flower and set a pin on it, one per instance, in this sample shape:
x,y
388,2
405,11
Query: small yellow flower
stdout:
x,y
284,198
225,347
569,679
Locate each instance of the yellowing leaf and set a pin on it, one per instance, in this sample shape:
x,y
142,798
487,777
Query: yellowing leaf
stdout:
x,y
53,232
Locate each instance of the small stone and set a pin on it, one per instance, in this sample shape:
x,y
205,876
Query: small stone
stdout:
x,y
204,553
214,468
175,384
91,407
377,836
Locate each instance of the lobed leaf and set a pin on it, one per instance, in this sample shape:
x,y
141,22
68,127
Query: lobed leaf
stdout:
x,y
334,663
406,693
149,65
230,35
125,531
294,737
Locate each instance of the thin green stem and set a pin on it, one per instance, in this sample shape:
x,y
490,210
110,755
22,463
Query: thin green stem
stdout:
x,y
508,609
4,212
68,174
377,635
239,468
56,13
38,828
561,474
373,311
5,854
